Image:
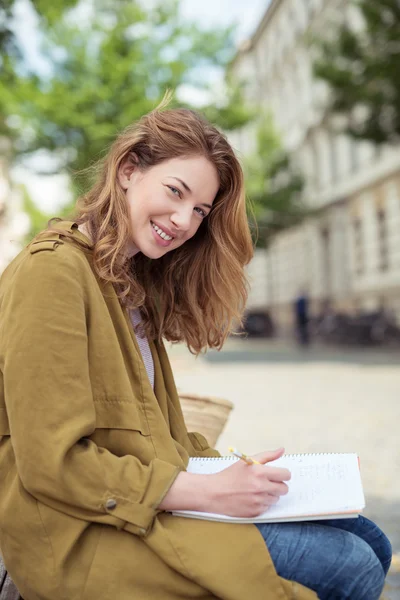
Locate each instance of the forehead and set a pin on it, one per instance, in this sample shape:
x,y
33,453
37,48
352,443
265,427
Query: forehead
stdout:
x,y
196,171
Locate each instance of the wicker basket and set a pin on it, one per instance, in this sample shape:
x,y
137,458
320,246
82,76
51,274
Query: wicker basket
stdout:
x,y
207,415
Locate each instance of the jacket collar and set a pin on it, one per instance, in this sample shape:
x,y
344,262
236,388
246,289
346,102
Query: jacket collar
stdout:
x,y
72,227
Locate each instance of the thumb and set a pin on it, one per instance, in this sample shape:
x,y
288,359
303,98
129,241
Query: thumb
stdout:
x,y
265,457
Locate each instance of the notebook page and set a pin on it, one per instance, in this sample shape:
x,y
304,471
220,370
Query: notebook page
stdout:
x,y
320,483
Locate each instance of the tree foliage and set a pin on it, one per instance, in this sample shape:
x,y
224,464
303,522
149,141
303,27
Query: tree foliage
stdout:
x,y
108,64
7,43
38,218
274,185
362,70
12,62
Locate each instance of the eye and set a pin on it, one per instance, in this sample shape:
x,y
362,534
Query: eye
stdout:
x,y
175,191
201,212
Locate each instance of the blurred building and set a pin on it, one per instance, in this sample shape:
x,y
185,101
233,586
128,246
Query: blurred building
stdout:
x,y
14,223
349,254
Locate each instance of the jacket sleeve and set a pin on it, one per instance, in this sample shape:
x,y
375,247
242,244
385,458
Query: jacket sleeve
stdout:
x,y
195,443
44,358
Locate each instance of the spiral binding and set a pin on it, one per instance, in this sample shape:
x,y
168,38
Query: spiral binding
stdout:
x,y
313,454
233,458
300,455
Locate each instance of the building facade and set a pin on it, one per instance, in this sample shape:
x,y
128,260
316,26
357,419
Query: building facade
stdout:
x,y
349,254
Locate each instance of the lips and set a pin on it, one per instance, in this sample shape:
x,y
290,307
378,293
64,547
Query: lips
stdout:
x,y
161,239
163,232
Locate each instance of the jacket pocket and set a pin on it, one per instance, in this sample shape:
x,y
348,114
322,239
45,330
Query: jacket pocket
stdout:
x,y
120,414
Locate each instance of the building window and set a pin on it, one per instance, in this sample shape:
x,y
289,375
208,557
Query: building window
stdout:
x,y
358,247
315,161
324,157
293,21
354,155
383,250
378,150
311,9
333,157
326,262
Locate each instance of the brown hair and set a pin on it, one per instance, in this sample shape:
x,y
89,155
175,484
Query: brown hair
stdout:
x,y
197,292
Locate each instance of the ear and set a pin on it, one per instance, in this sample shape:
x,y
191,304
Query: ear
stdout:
x,y
126,168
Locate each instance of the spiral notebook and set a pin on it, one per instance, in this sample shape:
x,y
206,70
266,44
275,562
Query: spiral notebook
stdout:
x,y
322,486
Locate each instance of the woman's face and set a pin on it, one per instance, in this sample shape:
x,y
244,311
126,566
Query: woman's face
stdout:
x,y
168,202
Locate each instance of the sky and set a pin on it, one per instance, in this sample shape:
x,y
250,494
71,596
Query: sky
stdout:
x,y
246,13
52,191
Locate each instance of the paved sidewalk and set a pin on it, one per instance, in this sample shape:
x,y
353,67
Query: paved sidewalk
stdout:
x,y
324,400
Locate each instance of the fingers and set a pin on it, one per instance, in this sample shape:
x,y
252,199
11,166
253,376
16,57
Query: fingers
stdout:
x,y
278,489
265,457
275,474
271,501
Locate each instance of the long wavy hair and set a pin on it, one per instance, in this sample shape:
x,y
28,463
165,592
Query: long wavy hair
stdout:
x,y
197,292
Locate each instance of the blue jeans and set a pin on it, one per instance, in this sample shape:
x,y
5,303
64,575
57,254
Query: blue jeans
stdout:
x,y
338,559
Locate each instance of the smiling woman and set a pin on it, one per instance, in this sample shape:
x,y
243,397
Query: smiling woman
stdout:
x,y
160,202
171,189
93,444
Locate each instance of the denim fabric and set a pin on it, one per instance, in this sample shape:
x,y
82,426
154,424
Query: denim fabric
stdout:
x,y
339,559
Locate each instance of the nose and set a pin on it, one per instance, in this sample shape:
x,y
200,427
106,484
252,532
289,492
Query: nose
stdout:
x,y
182,218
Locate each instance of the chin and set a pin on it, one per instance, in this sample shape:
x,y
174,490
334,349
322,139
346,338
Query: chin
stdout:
x,y
155,253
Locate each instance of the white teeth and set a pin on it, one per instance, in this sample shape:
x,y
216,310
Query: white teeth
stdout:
x,y
161,233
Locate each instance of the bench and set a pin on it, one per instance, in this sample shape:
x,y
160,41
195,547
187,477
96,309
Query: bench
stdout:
x,y
8,591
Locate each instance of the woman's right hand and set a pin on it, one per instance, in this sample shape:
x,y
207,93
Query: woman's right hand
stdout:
x,y
241,490
244,490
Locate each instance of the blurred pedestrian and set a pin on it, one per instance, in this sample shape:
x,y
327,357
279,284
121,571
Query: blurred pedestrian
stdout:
x,y
93,443
301,314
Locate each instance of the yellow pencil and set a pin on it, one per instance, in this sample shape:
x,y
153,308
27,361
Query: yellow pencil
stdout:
x,y
247,459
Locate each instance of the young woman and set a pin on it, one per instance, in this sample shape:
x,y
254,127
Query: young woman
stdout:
x,y
94,446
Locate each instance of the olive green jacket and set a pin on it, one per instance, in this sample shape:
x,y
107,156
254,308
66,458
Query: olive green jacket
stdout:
x,y
88,450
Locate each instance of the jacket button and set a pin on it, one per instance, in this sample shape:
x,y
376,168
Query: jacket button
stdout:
x,y
110,504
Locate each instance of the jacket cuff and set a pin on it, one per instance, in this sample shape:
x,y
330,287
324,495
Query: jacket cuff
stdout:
x,y
138,517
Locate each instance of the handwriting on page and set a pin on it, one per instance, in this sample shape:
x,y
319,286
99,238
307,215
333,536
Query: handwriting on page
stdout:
x,y
315,478
318,483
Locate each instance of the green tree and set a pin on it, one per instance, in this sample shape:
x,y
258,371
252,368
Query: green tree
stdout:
x,y
107,67
12,62
38,218
6,35
362,70
274,185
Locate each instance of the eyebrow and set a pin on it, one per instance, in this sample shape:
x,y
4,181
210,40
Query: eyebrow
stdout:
x,y
187,188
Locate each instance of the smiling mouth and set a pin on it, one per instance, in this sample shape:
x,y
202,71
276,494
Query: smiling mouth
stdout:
x,y
161,233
